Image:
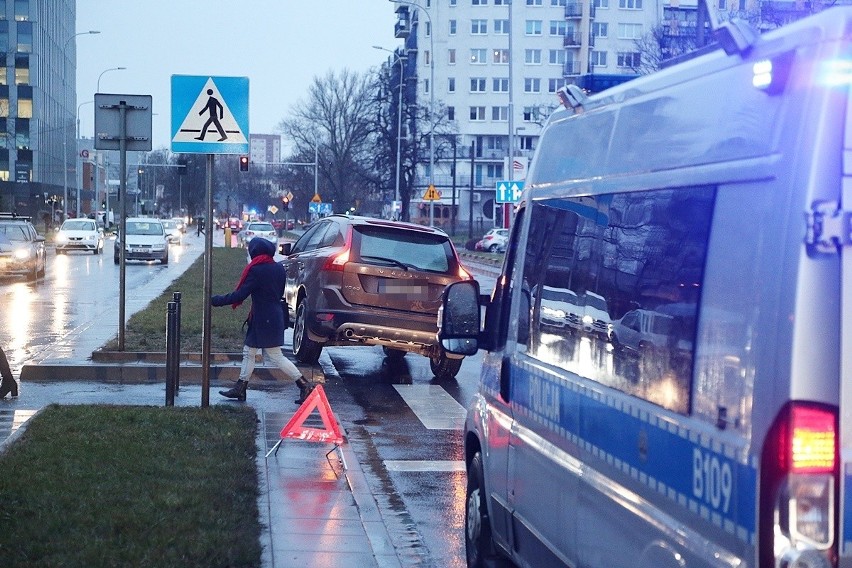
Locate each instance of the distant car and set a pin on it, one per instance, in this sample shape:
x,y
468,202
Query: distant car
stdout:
x,y
494,241
361,281
79,234
181,223
173,232
255,229
22,249
641,331
145,240
233,223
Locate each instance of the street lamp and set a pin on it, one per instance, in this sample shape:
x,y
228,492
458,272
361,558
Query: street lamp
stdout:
x,y
398,118
107,71
431,101
64,130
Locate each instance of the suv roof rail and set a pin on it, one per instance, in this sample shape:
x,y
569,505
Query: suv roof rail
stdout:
x,y
14,216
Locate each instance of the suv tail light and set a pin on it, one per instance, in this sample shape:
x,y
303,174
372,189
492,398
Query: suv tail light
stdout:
x,y
337,261
799,482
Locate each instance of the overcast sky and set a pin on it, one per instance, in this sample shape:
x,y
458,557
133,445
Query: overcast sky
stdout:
x,y
280,45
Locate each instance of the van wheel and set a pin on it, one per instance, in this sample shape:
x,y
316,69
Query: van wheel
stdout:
x,y
444,368
478,542
305,349
392,353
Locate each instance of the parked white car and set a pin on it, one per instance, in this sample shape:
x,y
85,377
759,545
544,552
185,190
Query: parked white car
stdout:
x,y
79,234
257,229
494,240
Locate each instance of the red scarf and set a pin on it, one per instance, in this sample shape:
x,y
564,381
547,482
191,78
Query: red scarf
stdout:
x,y
259,259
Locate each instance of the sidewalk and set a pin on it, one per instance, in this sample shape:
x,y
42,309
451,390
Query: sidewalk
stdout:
x,y
312,512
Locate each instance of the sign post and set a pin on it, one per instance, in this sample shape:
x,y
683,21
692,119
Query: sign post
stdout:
x,y
209,116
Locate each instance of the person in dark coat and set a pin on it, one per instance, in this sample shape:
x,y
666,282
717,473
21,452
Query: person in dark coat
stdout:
x,y
263,279
8,384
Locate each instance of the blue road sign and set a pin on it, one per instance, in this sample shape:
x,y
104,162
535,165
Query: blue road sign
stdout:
x,y
210,115
509,191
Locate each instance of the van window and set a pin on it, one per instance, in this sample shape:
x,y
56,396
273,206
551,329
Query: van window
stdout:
x,y
614,283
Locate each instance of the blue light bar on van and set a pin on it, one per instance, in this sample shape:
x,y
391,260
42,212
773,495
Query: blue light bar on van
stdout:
x,y
836,72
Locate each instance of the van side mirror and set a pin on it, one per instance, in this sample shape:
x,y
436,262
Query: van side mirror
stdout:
x,y
459,318
285,248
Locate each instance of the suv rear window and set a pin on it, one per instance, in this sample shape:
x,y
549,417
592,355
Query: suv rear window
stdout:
x,y
428,252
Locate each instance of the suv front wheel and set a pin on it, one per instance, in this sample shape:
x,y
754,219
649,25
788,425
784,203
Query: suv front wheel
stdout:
x,y
444,368
305,349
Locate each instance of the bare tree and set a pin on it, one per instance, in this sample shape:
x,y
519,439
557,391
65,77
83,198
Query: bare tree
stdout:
x,y
337,118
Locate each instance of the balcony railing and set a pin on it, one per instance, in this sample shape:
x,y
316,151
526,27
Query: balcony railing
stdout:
x,y
572,68
402,29
573,10
572,39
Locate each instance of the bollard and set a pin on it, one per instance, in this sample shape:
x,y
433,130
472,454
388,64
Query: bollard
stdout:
x,y
176,298
227,237
170,354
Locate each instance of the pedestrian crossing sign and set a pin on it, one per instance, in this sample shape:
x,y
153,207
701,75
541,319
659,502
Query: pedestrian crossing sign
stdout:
x,y
210,114
431,194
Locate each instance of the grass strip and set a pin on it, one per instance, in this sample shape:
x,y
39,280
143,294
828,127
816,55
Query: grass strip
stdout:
x,y
131,486
146,329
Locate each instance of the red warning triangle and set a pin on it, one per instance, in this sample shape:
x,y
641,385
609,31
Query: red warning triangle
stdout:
x,y
315,401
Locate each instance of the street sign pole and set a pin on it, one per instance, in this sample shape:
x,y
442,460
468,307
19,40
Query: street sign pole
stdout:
x,y
206,324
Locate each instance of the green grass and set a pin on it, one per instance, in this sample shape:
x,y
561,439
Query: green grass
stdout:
x,y
145,330
131,486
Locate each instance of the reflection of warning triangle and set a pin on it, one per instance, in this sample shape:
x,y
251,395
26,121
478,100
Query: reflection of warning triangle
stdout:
x,y
431,194
200,115
315,401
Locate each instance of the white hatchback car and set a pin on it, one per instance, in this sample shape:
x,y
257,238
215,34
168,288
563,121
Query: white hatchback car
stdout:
x,y
79,234
257,229
146,240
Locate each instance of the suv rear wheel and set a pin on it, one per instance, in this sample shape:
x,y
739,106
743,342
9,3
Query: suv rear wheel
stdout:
x,y
444,368
305,349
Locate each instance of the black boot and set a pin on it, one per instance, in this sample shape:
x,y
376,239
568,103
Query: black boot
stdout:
x,y
8,386
305,389
237,392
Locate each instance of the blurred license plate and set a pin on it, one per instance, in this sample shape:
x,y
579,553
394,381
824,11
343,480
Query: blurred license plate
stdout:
x,y
407,288
139,250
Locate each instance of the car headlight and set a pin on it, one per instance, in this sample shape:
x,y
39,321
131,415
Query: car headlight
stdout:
x,y
61,238
158,247
90,237
588,320
22,253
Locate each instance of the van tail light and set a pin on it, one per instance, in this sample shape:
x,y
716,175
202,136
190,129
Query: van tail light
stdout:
x,y
799,480
464,274
336,262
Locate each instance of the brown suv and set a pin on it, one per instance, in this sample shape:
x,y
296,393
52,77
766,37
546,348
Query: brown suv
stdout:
x,y
364,281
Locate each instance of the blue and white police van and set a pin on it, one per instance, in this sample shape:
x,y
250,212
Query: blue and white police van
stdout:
x,y
709,422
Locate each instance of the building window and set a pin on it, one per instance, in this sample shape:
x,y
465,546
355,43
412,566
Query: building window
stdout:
x,y
556,56
532,56
533,27
22,133
426,85
558,28
558,2
25,108
629,31
500,113
428,29
22,69
500,56
599,29
530,114
501,27
25,37
452,27
598,58
554,85
453,2
500,85
631,59
533,2
630,4
601,4
478,27
477,113
451,56
451,113
494,171
451,85
532,85
502,2
4,106
479,2
477,84
4,33
526,143
427,57
22,10
478,56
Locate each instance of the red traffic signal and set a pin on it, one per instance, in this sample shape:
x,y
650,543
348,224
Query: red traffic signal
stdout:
x,y
244,163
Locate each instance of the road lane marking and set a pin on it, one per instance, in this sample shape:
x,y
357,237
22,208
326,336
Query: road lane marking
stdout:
x,y
424,465
434,406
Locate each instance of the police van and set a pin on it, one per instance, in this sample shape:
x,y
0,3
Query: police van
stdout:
x,y
710,423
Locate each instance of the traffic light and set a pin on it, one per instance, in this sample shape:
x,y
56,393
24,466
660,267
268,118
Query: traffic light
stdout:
x,y
285,204
244,163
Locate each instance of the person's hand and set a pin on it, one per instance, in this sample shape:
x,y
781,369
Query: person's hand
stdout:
x,y
217,301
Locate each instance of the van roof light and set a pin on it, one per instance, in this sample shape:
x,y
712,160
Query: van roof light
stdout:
x,y
736,36
571,96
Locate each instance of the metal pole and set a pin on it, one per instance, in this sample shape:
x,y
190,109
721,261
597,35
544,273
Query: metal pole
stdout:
x,y
511,160
122,195
170,353
470,201
399,130
176,297
208,289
